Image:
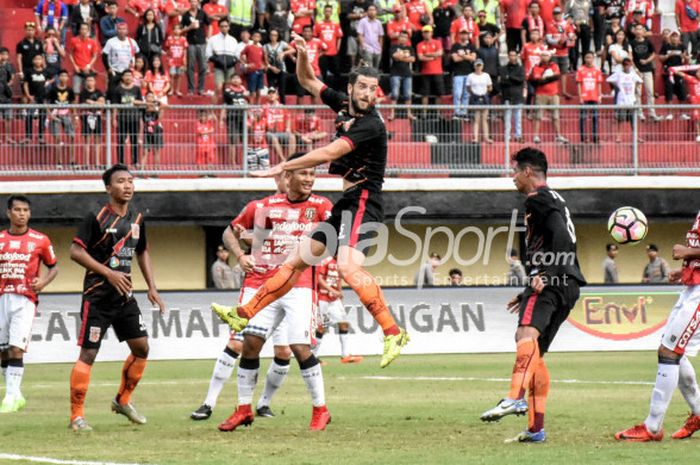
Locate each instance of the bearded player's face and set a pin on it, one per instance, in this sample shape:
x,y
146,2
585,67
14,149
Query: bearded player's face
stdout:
x,y
363,93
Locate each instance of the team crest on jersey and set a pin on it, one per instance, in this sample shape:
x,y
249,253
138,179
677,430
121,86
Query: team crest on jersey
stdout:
x,y
15,244
31,246
135,231
94,335
310,214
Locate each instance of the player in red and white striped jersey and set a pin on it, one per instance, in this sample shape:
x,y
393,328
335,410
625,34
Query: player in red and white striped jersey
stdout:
x,y
331,309
22,251
681,338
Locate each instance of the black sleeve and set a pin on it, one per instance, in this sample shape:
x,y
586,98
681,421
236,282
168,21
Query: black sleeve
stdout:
x,y
117,96
561,240
337,101
18,48
142,244
186,20
52,95
363,129
71,95
205,19
83,96
88,232
664,49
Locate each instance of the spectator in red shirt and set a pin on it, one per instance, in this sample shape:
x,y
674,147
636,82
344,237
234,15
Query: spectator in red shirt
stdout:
x,y
315,48
532,21
547,8
83,53
466,22
157,80
329,32
558,37
303,11
688,19
514,12
693,83
430,54
531,54
307,128
419,16
545,78
398,24
589,80
176,49
253,60
279,127
215,12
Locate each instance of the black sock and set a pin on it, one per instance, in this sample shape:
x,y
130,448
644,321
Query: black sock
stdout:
x,y
249,363
281,362
310,362
231,352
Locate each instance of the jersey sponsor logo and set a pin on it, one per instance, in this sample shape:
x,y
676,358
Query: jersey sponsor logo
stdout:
x,y
94,334
135,231
689,330
292,227
622,316
15,257
114,262
111,230
15,244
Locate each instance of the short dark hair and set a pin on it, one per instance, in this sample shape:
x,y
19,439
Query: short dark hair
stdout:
x,y
107,175
83,23
18,197
127,71
588,53
224,20
514,253
63,71
456,271
653,247
296,155
308,26
328,6
532,157
609,247
4,50
366,71
111,3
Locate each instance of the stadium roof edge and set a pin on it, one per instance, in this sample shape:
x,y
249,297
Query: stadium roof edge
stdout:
x,y
335,184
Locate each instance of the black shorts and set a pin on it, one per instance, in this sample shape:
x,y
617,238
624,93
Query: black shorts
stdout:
x,y
548,310
97,317
354,218
432,85
153,140
234,126
92,125
624,115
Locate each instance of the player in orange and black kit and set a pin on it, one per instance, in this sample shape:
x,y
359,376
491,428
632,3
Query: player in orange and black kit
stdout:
x,y
359,155
105,246
551,293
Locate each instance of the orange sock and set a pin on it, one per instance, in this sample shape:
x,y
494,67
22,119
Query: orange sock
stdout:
x,y
526,360
79,381
372,298
278,285
131,375
537,398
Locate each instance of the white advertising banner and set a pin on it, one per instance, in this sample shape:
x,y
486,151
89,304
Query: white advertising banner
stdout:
x,y
439,320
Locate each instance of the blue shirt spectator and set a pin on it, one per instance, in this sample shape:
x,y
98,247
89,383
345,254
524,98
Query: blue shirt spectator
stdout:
x,y
51,14
108,24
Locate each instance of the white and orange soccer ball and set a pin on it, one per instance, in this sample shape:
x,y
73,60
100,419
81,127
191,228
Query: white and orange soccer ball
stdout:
x,y
628,225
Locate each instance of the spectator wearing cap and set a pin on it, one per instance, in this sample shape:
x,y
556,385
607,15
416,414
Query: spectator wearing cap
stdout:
x,y
514,12
279,126
370,36
545,78
581,18
466,21
52,14
644,57
221,51
512,80
558,38
403,55
627,84
610,275
485,27
443,16
27,49
589,80
479,85
197,28
119,52
463,56
109,22
688,21
430,54
657,270
532,21
672,55
83,51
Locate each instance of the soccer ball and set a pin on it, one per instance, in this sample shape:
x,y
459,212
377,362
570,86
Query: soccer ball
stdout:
x,y
628,225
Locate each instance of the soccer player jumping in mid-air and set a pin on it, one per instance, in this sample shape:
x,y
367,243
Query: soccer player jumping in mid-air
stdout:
x,y
681,337
359,155
551,293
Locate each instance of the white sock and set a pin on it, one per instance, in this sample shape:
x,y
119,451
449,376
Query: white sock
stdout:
x,y
344,345
247,379
13,380
223,369
313,377
666,383
317,347
276,375
688,384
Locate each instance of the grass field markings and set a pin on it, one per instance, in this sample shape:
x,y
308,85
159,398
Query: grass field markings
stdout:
x,y
29,458
499,380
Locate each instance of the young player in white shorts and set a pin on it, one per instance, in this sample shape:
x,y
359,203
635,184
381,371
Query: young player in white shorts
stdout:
x,y
681,338
22,250
331,309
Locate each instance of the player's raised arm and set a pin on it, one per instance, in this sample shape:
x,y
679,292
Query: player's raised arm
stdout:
x,y
319,156
305,73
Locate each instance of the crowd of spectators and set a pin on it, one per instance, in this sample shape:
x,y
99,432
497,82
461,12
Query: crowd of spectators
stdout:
x,y
447,46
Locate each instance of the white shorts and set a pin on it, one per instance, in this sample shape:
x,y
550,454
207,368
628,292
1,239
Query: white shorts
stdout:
x,y
16,317
332,313
292,315
681,333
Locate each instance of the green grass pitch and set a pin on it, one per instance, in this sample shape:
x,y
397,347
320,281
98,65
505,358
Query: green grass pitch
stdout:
x,y
401,420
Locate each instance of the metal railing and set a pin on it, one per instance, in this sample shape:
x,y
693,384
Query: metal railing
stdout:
x,y
80,139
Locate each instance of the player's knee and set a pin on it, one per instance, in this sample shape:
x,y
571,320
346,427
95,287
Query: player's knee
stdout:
x,y
140,351
343,328
235,346
283,352
667,356
87,356
15,352
301,351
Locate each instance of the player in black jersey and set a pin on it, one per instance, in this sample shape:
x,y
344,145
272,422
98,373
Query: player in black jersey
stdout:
x,y
552,291
105,246
358,154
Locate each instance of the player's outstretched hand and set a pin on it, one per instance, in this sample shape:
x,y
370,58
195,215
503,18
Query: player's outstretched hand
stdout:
x,y
514,303
299,42
155,299
674,276
269,173
679,252
120,281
